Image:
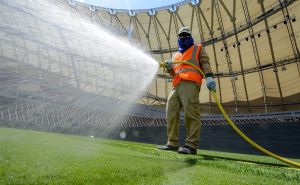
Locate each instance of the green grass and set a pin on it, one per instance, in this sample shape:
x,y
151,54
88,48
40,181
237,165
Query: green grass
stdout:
x,y
31,157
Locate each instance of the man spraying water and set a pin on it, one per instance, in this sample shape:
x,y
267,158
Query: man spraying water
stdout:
x,y
185,92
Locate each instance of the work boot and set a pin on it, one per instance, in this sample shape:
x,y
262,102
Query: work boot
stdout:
x,y
187,150
168,147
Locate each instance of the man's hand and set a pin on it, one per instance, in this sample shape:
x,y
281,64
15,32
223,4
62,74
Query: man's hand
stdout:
x,y
169,65
211,84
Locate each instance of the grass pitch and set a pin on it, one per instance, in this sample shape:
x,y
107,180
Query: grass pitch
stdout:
x,y
31,157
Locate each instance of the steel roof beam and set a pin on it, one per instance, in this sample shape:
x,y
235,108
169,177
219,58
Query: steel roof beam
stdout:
x,y
227,56
242,28
159,45
199,23
255,52
233,20
289,27
272,51
168,40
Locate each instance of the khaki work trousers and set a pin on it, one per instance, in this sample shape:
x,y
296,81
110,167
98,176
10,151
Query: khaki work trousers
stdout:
x,y
185,95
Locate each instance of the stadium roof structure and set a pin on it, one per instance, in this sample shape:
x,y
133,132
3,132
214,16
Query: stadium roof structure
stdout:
x,y
253,46
135,5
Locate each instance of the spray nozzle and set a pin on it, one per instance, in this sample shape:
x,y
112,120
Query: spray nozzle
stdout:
x,y
162,64
168,64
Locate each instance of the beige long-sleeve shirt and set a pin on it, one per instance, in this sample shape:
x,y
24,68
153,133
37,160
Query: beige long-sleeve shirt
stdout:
x,y
204,61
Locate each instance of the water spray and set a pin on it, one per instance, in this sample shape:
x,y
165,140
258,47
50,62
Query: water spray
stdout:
x,y
64,69
235,128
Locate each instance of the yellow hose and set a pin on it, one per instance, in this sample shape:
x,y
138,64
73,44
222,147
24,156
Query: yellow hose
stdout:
x,y
235,128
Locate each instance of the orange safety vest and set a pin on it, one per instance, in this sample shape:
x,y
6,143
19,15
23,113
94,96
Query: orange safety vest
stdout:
x,y
185,71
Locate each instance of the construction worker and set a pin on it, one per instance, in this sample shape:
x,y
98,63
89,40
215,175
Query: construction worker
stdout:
x,y
185,92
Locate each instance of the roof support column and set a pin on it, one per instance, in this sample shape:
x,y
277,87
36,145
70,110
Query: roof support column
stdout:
x,y
272,50
219,17
169,45
255,51
199,23
211,33
197,10
160,48
149,44
233,20
138,35
175,22
290,30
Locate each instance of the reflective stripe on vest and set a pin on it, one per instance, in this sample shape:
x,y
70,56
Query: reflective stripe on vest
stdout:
x,y
187,69
193,60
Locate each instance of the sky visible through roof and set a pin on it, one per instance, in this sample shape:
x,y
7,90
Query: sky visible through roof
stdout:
x,y
130,4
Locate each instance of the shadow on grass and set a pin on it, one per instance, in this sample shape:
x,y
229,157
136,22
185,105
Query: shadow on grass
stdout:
x,y
211,158
191,161
194,160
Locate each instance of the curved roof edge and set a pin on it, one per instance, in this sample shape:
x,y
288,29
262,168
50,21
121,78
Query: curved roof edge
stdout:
x,y
133,11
